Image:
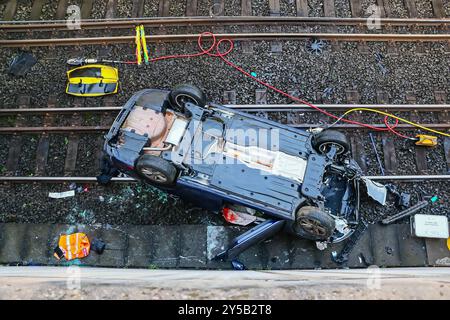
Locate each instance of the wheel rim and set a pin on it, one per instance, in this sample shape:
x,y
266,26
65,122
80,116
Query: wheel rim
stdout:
x,y
182,99
325,147
154,175
313,227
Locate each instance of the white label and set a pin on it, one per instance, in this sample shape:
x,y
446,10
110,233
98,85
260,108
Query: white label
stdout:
x,y
60,195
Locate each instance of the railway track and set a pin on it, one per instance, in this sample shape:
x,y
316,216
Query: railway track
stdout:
x,y
98,9
233,36
158,22
245,22
93,180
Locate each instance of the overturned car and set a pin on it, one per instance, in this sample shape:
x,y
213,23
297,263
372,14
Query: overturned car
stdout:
x,y
230,162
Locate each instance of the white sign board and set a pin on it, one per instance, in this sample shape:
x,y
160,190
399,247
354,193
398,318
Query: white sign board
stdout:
x,y
430,226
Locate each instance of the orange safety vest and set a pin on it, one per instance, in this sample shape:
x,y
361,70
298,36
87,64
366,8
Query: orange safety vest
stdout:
x,y
74,246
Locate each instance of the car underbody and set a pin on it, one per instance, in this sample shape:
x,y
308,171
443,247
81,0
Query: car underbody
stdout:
x,y
300,182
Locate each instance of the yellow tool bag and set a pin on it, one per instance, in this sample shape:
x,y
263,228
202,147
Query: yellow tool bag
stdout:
x,y
72,246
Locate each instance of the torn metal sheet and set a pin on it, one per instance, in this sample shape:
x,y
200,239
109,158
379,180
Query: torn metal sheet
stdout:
x,y
376,191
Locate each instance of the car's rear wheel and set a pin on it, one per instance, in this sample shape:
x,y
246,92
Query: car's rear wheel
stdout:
x,y
186,93
156,170
325,140
313,224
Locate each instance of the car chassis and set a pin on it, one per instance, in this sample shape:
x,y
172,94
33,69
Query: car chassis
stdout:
x,y
304,183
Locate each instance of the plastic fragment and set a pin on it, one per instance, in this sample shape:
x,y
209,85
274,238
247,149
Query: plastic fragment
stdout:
x,y
21,64
316,46
376,191
237,265
61,195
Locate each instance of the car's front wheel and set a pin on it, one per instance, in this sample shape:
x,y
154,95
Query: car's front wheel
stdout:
x,y
313,224
186,93
156,170
326,139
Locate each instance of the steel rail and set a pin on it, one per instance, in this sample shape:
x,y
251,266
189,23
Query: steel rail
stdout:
x,y
243,107
17,179
86,129
89,24
234,36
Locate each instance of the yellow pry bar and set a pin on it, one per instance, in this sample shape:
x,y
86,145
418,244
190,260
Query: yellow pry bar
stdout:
x,y
144,44
138,46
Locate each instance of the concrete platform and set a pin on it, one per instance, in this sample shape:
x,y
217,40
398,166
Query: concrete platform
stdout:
x,y
193,246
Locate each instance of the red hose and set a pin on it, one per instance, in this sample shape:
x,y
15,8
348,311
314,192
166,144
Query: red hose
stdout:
x,y
215,46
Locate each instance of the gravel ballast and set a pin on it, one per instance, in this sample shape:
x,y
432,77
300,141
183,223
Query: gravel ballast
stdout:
x,y
98,9
151,8
295,69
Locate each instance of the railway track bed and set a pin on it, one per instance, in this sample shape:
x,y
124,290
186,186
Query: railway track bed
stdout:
x,y
54,159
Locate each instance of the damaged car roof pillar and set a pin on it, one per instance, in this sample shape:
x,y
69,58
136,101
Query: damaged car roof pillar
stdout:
x,y
261,232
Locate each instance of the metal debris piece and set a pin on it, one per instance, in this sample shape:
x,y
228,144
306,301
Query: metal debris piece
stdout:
x,y
237,265
327,93
344,255
403,201
372,140
379,57
316,46
407,212
379,60
383,69
21,64
376,191
98,246
321,245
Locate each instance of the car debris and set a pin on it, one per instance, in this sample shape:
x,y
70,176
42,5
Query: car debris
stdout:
x,y
409,211
316,46
321,245
379,60
380,165
344,254
98,246
376,191
21,64
327,93
237,217
303,183
61,195
237,265
402,199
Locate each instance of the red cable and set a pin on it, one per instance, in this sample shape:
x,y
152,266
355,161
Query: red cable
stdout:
x,y
216,44
391,129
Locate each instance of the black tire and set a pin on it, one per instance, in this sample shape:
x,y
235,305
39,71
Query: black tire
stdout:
x,y
156,170
184,93
323,140
313,224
